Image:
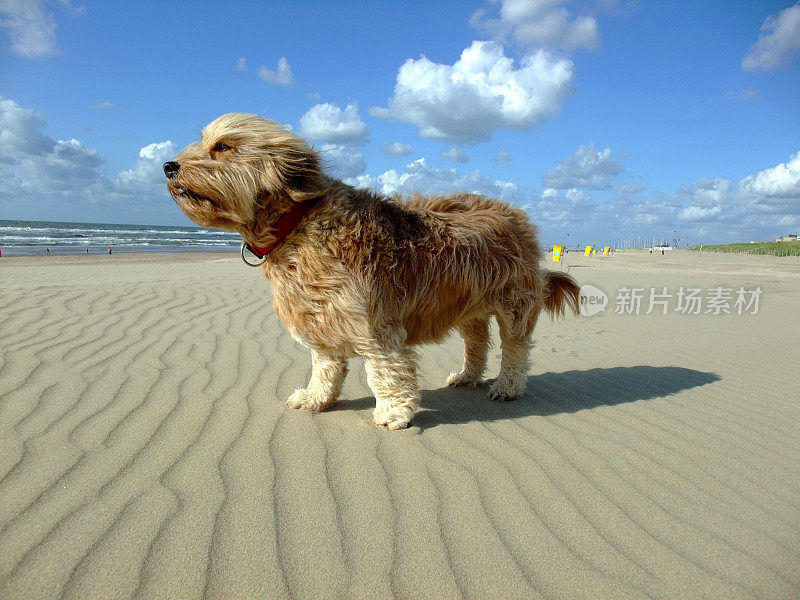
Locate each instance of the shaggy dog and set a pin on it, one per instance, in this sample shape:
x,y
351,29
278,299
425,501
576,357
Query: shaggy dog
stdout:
x,y
356,273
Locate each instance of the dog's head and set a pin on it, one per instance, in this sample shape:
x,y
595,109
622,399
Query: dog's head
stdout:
x,y
243,174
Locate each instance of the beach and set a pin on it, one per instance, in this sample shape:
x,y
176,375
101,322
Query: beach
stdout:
x,y
146,452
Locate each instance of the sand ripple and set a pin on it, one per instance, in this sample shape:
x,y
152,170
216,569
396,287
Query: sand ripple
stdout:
x,y
145,451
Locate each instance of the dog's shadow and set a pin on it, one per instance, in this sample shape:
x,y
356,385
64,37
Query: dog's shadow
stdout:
x,y
549,394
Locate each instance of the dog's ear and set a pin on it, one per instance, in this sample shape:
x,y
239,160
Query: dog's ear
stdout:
x,y
303,177
291,169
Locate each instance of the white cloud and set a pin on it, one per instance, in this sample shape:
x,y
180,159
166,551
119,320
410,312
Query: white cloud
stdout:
x,y
281,76
708,192
696,213
758,206
778,41
396,149
20,132
68,168
37,163
781,181
241,65
454,154
343,161
708,210
539,24
567,209
64,179
504,158
481,92
105,105
707,199
587,168
31,29
329,123
419,176
149,164
742,95
69,165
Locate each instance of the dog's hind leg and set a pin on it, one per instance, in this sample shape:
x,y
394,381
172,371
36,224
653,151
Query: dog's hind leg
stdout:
x,y
327,376
476,344
515,334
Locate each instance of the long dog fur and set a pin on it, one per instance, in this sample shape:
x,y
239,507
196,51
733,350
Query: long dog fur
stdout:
x,y
364,274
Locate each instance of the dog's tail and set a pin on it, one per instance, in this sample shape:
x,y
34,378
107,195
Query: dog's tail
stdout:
x,y
560,290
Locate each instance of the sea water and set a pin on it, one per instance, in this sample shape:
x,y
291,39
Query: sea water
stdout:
x,y
36,237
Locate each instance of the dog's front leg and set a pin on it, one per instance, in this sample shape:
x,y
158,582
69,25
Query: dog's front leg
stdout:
x,y
327,376
392,377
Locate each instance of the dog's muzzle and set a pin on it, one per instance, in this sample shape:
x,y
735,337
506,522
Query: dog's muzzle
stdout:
x,y
171,169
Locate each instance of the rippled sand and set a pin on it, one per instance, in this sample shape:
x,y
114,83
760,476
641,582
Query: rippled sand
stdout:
x,y
145,451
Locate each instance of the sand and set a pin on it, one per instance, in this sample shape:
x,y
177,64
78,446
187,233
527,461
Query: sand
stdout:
x,y
145,450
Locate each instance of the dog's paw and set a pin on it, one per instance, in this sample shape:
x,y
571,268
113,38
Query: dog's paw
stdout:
x,y
392,420
502,390
306,401
463,378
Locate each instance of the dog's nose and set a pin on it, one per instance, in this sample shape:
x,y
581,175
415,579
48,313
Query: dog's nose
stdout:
x,y
171,168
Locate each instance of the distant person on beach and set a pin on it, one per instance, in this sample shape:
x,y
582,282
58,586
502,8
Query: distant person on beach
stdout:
x,y
109,251
48,250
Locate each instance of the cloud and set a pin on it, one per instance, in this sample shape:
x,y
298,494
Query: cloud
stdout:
x,y
778,42
757,206
20,132
696,213
329,123
64,179
31,29
708,210
564,206
504,158
539,24
149,164
281,76
707,199
343,161
68,165
105,105
396,149
419,176
454,154
781,181
588,168
742,95
483,91
241,65
67,168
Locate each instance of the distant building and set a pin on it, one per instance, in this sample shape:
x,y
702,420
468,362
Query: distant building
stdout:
x,y
787,238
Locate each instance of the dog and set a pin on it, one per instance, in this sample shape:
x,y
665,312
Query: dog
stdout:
x,y
353,272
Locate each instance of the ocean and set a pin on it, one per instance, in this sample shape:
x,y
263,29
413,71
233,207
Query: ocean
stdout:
x,y
36,237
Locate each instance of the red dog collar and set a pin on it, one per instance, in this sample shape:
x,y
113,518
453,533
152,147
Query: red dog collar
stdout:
x,y
283,227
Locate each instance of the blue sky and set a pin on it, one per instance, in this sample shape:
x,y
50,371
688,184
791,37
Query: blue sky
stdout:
x,y
602,118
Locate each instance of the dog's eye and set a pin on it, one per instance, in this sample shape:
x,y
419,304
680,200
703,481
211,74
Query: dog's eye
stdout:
x,y
220,147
